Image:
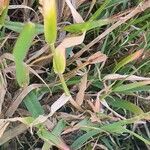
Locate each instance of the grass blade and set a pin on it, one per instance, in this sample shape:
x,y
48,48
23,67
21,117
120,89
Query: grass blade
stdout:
x,y
128,59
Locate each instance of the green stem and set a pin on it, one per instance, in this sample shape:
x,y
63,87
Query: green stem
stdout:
x,y
52,46
64,84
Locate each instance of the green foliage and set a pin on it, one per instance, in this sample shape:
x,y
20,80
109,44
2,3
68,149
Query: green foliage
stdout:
x,y
20,50
127,48
81,27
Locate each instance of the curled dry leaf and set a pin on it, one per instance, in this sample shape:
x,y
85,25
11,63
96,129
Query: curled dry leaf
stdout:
x,y
125,77
82,88
97,58
59,60
77,4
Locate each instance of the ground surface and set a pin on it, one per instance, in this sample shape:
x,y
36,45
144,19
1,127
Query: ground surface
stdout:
x,y
107,74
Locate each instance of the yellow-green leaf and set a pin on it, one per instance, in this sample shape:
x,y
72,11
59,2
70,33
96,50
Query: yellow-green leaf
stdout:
x,y
50,20
20,50
128,59
59,60
3,11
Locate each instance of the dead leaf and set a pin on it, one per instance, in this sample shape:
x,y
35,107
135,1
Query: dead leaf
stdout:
x,y
125,77
76,16
73,41
137,54
12,133
3,126
82,88
2,90
55,106
98,57
59,103
5,122
16,102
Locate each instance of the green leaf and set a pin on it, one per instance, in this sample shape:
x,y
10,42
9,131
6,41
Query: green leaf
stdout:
x,y
138,136
82,139
20,50
128,59
81,27
33,105
59,60
47,146
50,21
2,17
3,11
100,10
59,128
117,102
18,27
51,138
130,86
116,127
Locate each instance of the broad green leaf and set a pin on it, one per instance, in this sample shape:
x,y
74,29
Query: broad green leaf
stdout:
x,y
117,102
138,89
130,86
33,105
81,27
22,74
18,27
20,50
128,59
50,137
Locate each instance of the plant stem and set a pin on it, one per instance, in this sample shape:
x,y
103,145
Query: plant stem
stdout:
x,y
64,84
52,46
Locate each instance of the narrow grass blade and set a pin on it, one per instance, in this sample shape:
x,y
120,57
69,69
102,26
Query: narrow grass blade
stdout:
x,y
131,86
128,59
81,27
116,127
100,10
18,27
